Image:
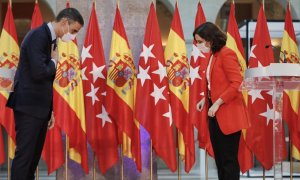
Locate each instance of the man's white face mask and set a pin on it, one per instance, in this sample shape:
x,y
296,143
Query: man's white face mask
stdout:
x,y
67,37
203,48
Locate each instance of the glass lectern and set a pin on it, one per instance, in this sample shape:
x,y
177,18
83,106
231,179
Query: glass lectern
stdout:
x,y
277,77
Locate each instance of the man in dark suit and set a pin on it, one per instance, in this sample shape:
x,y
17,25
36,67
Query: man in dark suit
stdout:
x,y
31,100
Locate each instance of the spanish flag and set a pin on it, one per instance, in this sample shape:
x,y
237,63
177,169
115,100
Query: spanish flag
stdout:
x,y
290,54
121,85
68,102
9,58
178,75
234,42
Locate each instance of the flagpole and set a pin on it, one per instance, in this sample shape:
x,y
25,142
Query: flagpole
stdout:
x,y
94,1
66,161
122,163
232,1
264,174
36,1
179,161
37,173
179,168
8,159
291,158
118,3
206,165
94,166
263,4
151,162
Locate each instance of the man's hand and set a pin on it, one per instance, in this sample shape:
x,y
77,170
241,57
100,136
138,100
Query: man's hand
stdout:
x,y
200,104
54,52
51,122
215,107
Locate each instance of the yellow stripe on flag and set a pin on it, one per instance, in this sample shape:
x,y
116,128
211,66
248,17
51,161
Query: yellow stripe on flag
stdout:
x,y
294,96
12,148
290,48
119,49
69,62
177,44
233,46
295,153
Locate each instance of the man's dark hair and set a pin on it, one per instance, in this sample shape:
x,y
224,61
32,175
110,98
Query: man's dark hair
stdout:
x,y
71,14
211,33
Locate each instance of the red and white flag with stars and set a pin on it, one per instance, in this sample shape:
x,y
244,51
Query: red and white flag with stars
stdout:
x,y
153,108
260,135
101,131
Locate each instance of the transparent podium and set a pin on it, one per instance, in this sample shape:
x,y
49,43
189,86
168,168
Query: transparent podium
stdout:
x,y
276,77
7,78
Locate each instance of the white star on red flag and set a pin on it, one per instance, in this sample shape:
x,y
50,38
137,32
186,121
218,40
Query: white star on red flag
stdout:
x,y
147,52
143,74
269,114
251,52
104,116
83,76
158,93
194,73
97,72
85,53
92,94
161,71
255,94
169,115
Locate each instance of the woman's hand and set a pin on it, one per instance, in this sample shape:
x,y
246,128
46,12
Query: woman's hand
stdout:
x,y
215,107
200,104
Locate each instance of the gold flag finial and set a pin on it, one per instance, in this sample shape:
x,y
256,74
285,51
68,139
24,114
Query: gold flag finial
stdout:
x,y
118,3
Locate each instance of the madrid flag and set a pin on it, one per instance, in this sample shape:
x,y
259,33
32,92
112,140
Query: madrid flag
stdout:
x,y
198,65
121,84
153,108
101,130
259,136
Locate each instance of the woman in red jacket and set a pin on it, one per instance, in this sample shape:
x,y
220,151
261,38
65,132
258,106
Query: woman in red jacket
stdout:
x,y
227,113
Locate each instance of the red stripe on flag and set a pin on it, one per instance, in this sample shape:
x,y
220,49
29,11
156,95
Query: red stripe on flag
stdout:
x,y
9,24
120,114
120,26
53,152
72,127
2,154
176,25
7,118
291,118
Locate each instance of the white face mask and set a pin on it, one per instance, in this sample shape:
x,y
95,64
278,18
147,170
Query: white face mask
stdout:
x,y
67,37
203,48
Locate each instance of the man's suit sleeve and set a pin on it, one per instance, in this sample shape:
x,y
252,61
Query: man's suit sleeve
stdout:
x,y
41,66
231,68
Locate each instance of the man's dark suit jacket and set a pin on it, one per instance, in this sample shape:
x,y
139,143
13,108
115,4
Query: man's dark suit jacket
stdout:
x,y
33,82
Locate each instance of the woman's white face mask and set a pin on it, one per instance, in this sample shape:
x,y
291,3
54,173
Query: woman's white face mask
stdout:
x,y
67,37
203,48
